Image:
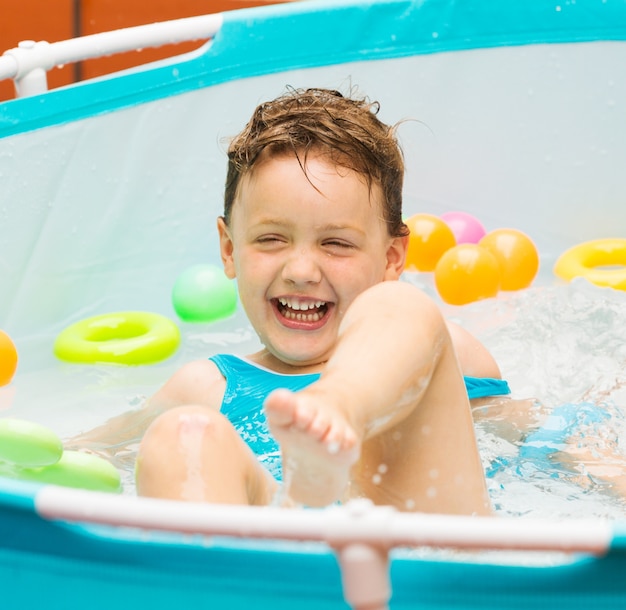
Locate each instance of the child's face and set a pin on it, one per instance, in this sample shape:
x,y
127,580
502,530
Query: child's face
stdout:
x,y
302,255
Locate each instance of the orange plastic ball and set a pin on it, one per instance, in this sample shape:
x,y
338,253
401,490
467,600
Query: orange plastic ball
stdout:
x,y
8,358
517,255
467,273
430,237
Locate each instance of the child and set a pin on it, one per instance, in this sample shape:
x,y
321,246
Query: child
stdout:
x,y
312,231
360,380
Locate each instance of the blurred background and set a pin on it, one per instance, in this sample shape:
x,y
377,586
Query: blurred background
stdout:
x,y
54,20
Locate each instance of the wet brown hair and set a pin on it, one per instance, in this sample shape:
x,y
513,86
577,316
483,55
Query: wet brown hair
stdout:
x,y
344,129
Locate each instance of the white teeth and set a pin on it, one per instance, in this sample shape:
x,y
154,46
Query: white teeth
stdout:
x,y
301,310
302,317
298,305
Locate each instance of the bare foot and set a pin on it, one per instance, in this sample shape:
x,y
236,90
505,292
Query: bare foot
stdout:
x,y
319,446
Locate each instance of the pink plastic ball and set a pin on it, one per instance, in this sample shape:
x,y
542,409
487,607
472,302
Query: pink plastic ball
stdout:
x,y
466,228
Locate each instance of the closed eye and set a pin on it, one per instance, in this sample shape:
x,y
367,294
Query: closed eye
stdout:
x,y
339,243
270,239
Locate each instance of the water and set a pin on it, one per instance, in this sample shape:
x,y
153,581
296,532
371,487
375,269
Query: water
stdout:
x,y
556,345
563,348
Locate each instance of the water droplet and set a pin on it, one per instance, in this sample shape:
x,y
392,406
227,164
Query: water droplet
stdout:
x,y
333,448
382,468
435,34
376,479
409,504
431,492
557,8
433,473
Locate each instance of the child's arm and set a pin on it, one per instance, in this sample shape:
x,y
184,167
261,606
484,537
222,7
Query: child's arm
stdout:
x,y
474,358
198,383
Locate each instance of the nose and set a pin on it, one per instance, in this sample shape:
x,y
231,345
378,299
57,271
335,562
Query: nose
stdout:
x,y
301,267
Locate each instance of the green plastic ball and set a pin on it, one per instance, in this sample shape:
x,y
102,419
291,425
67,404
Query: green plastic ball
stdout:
x,y
203,293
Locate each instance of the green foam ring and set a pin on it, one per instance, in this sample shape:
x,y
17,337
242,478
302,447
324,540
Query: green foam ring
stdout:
x,y
28,444
75,469
123,337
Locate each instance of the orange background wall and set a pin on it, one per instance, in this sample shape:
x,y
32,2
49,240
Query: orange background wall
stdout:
x,y
55,20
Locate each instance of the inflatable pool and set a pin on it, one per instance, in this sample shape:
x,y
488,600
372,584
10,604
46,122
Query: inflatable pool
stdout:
x,y
513,111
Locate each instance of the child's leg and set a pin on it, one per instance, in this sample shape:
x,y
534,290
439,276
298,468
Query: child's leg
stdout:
x,y
392,393
193,453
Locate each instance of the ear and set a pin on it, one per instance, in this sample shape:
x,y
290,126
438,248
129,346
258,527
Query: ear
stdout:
x,y
226,248
396,256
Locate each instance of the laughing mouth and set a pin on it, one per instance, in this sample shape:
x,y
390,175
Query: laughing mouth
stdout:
x,y
302,310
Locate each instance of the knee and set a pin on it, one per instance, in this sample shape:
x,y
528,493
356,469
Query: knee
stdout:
x,y
183,425
397,303
175,451
178,441
399,297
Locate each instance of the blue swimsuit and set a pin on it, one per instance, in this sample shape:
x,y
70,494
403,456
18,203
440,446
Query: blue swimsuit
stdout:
x,y
248,385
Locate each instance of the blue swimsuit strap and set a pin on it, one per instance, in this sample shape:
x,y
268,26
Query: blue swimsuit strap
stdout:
x,y
481,387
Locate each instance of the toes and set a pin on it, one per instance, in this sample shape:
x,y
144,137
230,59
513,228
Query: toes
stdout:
x,y
304,418
319,428
279,408
340,439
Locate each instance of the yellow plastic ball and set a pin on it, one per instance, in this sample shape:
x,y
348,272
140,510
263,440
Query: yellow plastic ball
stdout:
x,y
467,273
8,359
517,255
430,237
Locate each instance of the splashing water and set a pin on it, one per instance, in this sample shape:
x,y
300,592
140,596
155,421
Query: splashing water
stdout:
x,y
561,453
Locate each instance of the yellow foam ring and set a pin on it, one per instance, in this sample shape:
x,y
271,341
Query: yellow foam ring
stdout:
x,y
601,261
28,444
128,337
74,469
